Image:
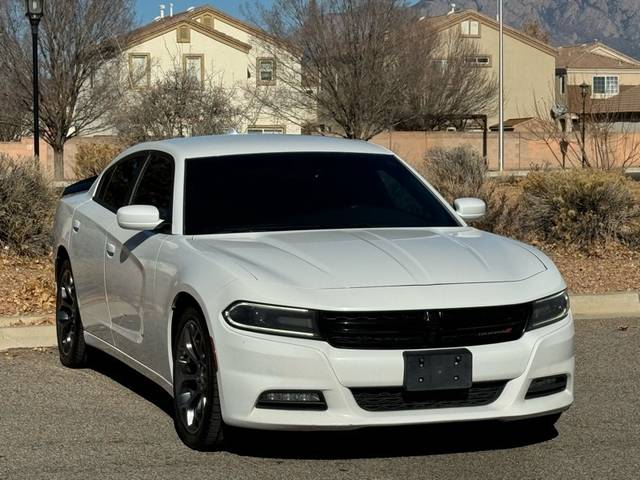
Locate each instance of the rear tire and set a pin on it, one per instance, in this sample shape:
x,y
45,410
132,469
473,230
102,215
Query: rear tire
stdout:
x,y
198,415
71,345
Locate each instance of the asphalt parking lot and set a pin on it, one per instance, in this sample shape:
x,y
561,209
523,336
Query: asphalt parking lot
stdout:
x,y
108,422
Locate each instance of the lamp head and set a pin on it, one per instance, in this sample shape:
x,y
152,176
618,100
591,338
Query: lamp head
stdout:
x,y
35,9
584,89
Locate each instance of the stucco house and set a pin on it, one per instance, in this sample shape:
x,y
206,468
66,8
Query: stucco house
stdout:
x,y
613,79
529,63
211,44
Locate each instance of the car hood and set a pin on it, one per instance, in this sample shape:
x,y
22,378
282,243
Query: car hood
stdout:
x,y
373,258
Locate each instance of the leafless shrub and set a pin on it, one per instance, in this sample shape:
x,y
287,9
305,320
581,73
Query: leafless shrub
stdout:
x,y
455,173
91,158
461,172
580,207
27,203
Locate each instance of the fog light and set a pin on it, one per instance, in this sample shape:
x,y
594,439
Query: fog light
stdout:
x,y
292,400
541,387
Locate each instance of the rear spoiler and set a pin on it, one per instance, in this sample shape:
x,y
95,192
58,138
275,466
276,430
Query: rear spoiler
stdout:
x,y
79,187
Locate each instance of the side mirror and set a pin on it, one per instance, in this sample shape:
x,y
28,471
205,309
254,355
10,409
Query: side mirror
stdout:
x,y
138,217
470,208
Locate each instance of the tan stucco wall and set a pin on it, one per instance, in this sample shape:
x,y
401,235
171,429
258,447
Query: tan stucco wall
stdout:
x,y
522,150
529,75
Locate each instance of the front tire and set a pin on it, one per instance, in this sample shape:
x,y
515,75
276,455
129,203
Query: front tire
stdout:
x,y
71,345
198,416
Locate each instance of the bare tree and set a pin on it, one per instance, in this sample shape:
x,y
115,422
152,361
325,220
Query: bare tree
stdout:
x,y
535,30
454,84
177,104
78,68
352,60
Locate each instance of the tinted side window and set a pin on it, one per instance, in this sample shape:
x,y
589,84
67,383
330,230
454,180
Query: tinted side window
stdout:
x,y
118,183
156,186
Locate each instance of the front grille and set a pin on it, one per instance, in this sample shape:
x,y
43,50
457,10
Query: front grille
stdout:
x,y
411,329
393,399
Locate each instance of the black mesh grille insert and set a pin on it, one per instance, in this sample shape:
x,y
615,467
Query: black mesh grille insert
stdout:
x,y
411,329
391,399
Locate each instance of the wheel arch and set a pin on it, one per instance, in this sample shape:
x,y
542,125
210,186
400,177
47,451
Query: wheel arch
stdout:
x,y
182,300
61,255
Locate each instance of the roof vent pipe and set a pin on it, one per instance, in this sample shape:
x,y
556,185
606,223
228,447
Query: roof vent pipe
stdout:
x,y
171,9
453,9
162,10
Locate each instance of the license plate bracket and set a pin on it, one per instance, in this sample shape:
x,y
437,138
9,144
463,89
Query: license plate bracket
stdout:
x,y
437,370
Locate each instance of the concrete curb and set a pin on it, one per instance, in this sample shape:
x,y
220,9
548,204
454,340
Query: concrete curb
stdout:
x,y
25,320
607,305
27,337
584,307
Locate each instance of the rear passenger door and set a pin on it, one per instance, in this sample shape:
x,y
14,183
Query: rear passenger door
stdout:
x,y
131,265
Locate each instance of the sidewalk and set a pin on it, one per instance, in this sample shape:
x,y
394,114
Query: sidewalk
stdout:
x,y
28,331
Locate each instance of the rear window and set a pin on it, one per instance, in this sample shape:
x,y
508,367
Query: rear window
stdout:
x,y
306,191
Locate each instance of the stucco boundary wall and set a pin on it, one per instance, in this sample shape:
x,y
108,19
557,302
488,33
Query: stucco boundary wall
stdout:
x,y
522,150
24,149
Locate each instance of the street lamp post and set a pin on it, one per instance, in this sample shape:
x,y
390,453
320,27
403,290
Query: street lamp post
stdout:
x,y
501,88
584,92
34,14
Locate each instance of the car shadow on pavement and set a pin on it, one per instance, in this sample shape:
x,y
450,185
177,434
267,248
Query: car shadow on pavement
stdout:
x,y
377,442
384,442
129,378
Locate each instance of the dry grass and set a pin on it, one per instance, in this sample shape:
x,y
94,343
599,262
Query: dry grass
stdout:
x,y
26,285
615,268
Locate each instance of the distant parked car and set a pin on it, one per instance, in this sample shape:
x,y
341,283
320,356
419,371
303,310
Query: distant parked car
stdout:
x,y
291,282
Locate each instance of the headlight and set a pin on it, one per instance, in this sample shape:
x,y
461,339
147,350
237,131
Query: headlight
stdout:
x,y
296,322
549,310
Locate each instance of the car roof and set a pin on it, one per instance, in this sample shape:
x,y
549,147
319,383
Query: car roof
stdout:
x,y
239,144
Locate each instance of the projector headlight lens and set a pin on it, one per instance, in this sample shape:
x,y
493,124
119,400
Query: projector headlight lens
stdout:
x,y
296,322
549,310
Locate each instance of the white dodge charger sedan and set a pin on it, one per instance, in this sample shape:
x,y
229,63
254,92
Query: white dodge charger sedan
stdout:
x,y
303,283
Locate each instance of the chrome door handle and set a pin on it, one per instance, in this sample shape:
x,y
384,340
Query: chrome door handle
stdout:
x,y
76,225
111,249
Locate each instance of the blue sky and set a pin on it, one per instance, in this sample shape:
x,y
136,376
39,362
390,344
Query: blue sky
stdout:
x,y
147,10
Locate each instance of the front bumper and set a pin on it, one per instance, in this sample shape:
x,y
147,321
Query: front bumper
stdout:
x,y
251,363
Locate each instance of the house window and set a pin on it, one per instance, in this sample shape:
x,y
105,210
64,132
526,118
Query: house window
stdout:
x,y
563,84
606,85
266,71
266,130
193,66
207,21
479,60
184,34
470,28
139,70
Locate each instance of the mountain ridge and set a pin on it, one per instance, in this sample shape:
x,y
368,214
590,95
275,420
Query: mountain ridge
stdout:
x,y
615,23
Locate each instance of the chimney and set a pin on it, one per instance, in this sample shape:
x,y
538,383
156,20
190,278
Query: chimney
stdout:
x,y
171,9
453,9
161,10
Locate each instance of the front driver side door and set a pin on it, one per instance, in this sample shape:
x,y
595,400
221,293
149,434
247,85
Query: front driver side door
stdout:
x,y
131,264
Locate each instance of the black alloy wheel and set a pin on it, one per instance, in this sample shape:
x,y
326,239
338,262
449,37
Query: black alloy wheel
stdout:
x,y
71,344
198,416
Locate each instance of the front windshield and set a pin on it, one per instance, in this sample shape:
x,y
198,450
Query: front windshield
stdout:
x,y
306,191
